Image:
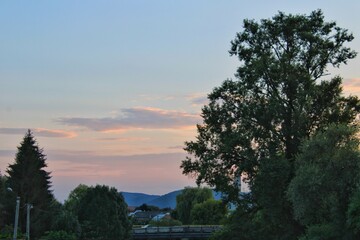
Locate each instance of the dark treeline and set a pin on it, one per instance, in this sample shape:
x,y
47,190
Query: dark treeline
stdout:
x,y
86,213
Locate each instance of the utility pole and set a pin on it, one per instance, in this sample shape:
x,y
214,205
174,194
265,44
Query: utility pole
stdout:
x,y
28,208
16,217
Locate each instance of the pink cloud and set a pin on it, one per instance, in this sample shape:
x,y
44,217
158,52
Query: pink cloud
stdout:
x,y
41,132
136,118
198,99
352,86
149,173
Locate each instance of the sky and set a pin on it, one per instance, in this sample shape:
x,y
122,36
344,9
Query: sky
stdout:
x,y
113,89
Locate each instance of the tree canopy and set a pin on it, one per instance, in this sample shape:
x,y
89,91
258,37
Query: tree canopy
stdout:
x,y
327,176
209,212
72,203
187,199
253,126
102,214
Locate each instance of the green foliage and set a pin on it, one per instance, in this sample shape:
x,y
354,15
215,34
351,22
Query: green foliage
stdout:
x,y
244,224
6,232
28,180
187,199
72,202
165,222
66,221
146,208
102,214
209,212
254,126
327,174
270,188
353,214
59,235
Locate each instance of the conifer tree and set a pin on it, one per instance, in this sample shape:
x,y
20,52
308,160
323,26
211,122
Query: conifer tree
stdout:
x,y
28,180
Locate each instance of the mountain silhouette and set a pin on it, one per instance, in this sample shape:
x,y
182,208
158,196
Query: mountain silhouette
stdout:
x,y
167,200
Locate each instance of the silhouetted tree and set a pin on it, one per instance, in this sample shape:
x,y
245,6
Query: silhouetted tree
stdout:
x,y
102,214
254,126
144,207
72,203
28,180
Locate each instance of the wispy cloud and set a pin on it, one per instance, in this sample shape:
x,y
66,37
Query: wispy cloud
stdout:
x,y
178,147
148,97
352,86
39,132
198,99
124,139
7,153
136,118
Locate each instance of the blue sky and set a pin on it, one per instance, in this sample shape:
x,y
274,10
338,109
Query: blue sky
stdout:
x,y
112,89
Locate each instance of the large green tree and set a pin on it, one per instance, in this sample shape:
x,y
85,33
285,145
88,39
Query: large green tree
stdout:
x,y
253,126
327,176
102,213
210,212
28,179
72,203
187,199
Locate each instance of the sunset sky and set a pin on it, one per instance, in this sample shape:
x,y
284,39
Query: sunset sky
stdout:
x,y
113,89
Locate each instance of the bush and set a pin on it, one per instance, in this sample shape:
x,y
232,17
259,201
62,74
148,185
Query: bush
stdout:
x,y
164,222
59,235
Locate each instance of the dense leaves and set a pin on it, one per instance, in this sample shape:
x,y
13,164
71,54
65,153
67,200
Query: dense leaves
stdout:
x,y
253,126
59,235
187,199
66,221
102,214
211,212
72,203
327,175
353,214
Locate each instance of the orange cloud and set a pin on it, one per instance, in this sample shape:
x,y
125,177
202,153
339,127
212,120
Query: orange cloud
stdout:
x,y
54,133
153,173
352,86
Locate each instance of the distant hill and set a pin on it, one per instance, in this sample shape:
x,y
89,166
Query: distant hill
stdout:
x,y
161,201
137,199
166,200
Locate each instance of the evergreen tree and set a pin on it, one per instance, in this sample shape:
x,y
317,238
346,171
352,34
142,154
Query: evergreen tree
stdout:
x,y
28,180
